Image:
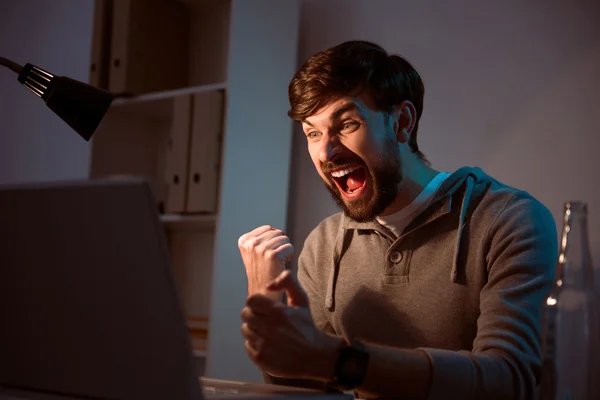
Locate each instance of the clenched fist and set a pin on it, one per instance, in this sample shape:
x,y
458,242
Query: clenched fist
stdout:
x,y
265,250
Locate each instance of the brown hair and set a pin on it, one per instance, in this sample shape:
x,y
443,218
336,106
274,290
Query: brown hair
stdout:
x,y
355,66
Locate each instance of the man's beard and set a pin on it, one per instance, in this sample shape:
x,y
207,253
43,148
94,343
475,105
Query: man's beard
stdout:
x,y
385,177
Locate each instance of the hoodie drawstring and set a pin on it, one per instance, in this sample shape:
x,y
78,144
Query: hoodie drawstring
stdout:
x,y
461,223
342,241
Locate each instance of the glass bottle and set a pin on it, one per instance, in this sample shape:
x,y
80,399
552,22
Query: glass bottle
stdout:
x,y
569,343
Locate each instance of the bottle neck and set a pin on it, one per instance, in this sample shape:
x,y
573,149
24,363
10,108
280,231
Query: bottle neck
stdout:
x,y
574,263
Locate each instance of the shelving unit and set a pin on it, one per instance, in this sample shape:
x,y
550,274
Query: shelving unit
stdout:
x,y
216,148
181,221
167,94
200,354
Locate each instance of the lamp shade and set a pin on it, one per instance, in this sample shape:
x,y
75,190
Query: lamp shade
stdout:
x,y
80,105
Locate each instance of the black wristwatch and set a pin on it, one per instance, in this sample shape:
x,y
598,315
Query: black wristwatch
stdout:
x,y
351,366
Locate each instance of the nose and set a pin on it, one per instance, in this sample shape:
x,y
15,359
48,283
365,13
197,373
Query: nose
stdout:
x,y
329,147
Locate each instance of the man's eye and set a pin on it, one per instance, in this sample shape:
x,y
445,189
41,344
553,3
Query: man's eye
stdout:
x,y
349,126
312,135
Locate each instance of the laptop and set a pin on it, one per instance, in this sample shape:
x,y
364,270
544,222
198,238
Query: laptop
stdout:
x,y
88,304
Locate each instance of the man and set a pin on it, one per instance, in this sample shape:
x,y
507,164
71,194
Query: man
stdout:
x,y
428,284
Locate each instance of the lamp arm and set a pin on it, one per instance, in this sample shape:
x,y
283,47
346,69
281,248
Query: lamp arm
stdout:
x,y
11,65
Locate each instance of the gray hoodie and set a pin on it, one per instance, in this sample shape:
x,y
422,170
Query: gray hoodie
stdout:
x,y
464,282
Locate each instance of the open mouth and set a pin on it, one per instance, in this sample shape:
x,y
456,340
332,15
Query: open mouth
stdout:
x,y
350,180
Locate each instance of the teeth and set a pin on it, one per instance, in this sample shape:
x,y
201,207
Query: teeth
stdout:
x,y
343,172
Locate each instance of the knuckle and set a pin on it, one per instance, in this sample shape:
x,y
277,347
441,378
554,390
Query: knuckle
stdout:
x,y
251,242
247,316
250,322
269,254
259,356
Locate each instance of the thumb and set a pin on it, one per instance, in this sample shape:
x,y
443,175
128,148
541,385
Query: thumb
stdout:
x,y
295,294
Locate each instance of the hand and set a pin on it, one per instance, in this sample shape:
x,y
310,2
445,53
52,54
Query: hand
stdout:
x,y
264,252
283,340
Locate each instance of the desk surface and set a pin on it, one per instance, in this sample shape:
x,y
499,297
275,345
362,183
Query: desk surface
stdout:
x,y
212,389
223,389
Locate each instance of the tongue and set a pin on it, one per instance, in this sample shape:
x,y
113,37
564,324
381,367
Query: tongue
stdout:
x,y
355,179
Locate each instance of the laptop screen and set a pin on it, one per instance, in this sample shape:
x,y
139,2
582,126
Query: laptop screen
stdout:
x,y
88,305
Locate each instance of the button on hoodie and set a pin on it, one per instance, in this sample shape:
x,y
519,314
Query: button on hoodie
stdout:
x,y
395,257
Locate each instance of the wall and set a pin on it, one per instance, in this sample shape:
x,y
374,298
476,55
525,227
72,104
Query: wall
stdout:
x,y
255,165
36,145
510,86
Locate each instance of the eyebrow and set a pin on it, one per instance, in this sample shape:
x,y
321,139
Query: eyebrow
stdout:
x,y
337,113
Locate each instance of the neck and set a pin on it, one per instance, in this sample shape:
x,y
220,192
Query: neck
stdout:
x,y
416,174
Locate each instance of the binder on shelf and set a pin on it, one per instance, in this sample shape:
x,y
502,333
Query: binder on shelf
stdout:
x,y
149,46
100,56
198,331
205,152
176,168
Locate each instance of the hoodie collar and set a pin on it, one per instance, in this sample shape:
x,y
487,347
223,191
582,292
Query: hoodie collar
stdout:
x,y
441,205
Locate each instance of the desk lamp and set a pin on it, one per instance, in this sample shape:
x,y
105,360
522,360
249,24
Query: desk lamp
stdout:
x,y
80,105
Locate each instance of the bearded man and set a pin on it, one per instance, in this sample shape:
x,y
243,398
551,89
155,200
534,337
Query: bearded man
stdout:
x,y
428,284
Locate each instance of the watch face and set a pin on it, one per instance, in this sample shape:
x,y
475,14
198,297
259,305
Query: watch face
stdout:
x,y
352,366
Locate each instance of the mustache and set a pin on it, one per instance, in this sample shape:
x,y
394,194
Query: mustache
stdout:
x,y
329,166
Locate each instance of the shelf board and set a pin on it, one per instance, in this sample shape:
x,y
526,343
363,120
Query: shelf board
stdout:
x,y
200,353
168,94
178,221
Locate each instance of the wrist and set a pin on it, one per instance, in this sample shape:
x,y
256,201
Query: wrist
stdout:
x,y
329,354
351,366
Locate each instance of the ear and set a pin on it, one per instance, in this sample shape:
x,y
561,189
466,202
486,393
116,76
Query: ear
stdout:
x,y
405,119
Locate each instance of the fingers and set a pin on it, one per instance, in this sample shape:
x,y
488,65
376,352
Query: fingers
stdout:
x,y
252,352
254,233
276,241
260,308
264,251
259,235
286,281
260,324
285,251
249,316
277,247
266,237
263,305
266,241
251,336
254,343
259,303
